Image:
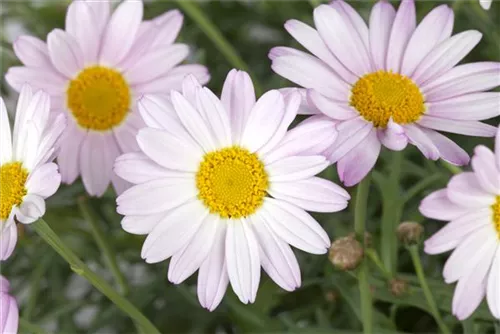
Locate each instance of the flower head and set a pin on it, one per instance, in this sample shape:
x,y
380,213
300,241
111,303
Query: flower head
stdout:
x,y
204,180
9,312
390,83
94,71
486,4
471,202
27,175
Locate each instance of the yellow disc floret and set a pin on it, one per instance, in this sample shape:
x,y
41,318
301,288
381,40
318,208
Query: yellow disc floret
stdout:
x,y
232,182
12,190
381,95
99,98
496,215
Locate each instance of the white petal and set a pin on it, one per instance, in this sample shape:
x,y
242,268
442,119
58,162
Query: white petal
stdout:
x,y
8,239
32,208
68,158
50,144
295,226
40,78
32,51
81,23
401,32
493,288
168,26
295,168
464,190
448,149
468,128
44,180
332,109
142,224
65,53
381,20
351,133
418,138
215,115
485,168
497,147
173,79
242,258
5,135
470,107
438,206
393,136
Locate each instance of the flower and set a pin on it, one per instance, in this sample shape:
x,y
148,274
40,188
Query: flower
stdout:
x,y
486,4
471,202
202,181
9,313
27,175
391,83
94,71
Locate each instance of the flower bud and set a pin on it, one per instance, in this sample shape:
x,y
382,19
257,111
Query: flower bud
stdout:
x,y
346,253
398,287
410,233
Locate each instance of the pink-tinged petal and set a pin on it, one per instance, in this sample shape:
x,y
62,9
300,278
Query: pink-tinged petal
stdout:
x,y
473,247
32,208
168,26
310,39
141,225
295,226
25,97
32,52
65,53
497,147
5,135
470,107
281,51
486,170
436,27
156,63
185,262
393,136
68,158
169,151
381,20
486,4
464,190
418,138
404,25
360,160
463,79
309,72
305,107
238,99
174,79
97,155
313,194
448,149
296,168
142,45
190,88
193,121
8,239
468,128
319,131
332,109
9,312
353,20
215,116
101,10
471,289
44,180
212,277
38,78
242,259
276,256
336,31
438,206
119,184
125,135
450,236
120,32
50,141
263,120
493,288
81,24
350,134
446,55
174,231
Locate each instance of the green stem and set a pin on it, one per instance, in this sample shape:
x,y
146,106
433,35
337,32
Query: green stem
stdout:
x,y
102,242
391,215
77,265
452,168
359,228
210,29
425,287
26,327
468,326
373,256
315,3
417,188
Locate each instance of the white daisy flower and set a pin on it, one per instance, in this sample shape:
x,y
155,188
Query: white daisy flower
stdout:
x,y
391,82
471,202
27,175
9,312
486,4
204,182
94,71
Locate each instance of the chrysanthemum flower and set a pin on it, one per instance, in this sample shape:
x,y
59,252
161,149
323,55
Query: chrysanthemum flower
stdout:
x,y
27,175
9,313
390,83
204,182
94,71
472,203
486,4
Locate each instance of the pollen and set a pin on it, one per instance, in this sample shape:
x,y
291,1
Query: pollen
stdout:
x,y
12,190
99,98
496,215
232,182
381,95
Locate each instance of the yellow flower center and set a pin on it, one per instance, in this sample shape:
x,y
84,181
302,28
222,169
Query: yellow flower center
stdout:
x,y
99,98
496,215
12,190
232,182
381,95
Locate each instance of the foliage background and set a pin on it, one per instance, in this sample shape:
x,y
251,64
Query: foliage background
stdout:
x,y
53,298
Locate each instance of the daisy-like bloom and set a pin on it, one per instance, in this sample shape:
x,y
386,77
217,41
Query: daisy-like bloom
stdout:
x,y
94,71
486,4
390,83
27,175
9,313
204,182
471,202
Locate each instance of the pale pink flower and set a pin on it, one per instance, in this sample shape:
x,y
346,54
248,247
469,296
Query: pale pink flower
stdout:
x,y
486,4
9,312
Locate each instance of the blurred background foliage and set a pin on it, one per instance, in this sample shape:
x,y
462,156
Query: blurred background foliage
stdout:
x,y
55,299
